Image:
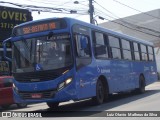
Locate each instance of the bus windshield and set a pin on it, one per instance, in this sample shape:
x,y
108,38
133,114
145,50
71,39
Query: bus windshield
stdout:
x,y
42,53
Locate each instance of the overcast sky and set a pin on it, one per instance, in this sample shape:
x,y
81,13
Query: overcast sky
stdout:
x,y
113,9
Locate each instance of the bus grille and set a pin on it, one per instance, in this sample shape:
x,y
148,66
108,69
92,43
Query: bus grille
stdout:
x,y
44,94
36,77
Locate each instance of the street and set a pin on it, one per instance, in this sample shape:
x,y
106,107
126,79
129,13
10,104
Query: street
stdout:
x,y
149,101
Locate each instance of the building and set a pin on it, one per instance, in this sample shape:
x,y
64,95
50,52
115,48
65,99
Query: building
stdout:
x,y
10,17
145,26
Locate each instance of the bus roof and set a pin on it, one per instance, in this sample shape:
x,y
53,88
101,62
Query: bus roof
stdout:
x,y
105,30
98,28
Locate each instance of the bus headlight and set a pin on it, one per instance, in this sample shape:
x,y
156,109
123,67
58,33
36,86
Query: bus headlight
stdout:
x,y
15,88
68,81
64,84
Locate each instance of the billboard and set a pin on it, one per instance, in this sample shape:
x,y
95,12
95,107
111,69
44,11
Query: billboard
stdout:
x,y
10,17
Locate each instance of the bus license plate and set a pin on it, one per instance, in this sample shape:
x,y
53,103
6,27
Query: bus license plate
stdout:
x,y
36,95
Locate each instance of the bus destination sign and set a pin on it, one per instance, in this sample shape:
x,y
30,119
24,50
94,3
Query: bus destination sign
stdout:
x,y
40,26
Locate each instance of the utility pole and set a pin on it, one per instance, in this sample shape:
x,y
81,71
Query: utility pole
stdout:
x,y
91,11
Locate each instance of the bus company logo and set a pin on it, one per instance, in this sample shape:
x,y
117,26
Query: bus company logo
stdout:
x,y
98,69
35,80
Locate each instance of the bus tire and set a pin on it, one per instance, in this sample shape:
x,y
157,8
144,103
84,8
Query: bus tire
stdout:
x,y
142,84
53,105
22,105
99,98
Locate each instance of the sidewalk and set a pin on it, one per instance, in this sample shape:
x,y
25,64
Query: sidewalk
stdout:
x,y
154,86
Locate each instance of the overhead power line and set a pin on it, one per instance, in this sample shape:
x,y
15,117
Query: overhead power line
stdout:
x,y
100,17
43,2
136,9
33,6
55,4
45,9
106,9
128,23
129,27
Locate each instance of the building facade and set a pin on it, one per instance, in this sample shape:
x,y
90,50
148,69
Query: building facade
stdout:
x,y
144,26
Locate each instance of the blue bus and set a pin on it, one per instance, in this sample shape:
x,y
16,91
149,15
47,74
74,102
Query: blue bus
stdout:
x,y
61,59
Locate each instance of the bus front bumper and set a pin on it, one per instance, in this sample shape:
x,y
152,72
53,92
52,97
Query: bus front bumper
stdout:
x,y
52,95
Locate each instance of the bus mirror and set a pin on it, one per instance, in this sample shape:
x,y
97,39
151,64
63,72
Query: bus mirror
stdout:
x,y
5,49
83,42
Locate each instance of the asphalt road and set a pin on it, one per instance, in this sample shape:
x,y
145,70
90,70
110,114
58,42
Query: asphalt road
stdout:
x,y
149,101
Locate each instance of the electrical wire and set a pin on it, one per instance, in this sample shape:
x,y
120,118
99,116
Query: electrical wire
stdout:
x,y
135,9
45,9
67,11
68,4
128,26
106,9
48,3
126,22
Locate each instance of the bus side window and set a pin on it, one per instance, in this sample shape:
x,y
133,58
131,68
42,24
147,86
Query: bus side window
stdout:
x,y
115,47
150,53
126,48
144,52
100,47
82,46
136,51
83,52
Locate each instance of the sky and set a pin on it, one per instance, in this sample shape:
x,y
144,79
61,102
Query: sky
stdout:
x,y
109,9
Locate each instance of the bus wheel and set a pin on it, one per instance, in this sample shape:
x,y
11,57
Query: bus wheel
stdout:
x,y
53,105
142,85
99,98
22,105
